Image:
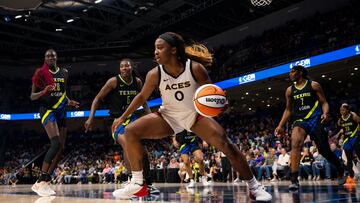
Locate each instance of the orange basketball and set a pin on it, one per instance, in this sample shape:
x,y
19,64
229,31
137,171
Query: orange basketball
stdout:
x,y
209,100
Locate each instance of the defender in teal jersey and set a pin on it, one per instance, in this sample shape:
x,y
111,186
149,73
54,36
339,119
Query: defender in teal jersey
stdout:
x,y
188,143
120,90
49,88
349,128
308,109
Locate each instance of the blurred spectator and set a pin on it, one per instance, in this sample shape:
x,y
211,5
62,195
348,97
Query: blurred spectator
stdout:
x,y
282,165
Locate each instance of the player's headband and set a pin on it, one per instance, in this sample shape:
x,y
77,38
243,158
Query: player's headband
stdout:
x,y
169,39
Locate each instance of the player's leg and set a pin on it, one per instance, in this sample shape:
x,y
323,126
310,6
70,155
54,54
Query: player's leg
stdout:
x,y
60,116
147,174
59,155
199,158
151,126
297,139
211,132
186,159
319,135
41,186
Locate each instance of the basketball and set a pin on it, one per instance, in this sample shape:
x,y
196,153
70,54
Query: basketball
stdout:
x,y
209,100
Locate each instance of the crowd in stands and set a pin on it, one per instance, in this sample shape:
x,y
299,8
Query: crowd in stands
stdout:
x,y
95,158
297,38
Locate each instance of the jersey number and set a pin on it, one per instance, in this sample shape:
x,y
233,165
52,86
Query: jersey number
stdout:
x,y
179,95
57,86
302,101
128,100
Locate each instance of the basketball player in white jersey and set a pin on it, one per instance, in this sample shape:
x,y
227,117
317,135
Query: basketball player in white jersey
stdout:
x,y
179,73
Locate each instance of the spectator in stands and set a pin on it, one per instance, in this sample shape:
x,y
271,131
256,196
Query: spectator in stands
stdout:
x,y
267,165
306,161
173,163
328,166
282,165
259,161
318,164
83,175
68,175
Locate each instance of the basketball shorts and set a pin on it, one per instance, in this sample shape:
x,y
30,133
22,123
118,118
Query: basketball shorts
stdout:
x,y
57,115
189,148
120,129
312,126
180,121
351,141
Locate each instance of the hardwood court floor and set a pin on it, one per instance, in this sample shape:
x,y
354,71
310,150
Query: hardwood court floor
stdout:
x,y
311,191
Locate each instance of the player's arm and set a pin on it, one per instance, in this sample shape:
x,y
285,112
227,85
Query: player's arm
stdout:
x,y
287,113
340,130
36,95
109,85
145,105
321,97
200,73
151,82
356,118
70,101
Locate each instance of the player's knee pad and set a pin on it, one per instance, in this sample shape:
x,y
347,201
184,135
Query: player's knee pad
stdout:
x,y
55,147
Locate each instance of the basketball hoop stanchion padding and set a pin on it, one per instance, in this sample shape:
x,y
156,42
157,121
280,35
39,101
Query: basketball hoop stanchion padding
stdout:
x,y
261,2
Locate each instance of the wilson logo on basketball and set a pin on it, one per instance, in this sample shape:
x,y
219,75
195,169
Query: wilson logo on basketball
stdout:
x,y
216,100
209,100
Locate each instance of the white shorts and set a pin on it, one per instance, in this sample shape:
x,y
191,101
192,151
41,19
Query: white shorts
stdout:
x,y
179,121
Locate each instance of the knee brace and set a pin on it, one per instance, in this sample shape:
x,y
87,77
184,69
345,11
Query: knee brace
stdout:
x,y
53,150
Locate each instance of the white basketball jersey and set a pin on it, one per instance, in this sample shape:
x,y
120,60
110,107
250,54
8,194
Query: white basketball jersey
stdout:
x,y
177,94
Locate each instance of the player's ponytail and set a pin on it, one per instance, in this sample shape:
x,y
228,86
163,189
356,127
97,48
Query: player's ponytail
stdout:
x,y
200,53
196,51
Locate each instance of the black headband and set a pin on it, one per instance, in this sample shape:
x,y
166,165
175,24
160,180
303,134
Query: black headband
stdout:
x,y
169,39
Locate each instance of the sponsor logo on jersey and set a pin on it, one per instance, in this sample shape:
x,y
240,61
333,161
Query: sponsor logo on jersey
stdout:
x,y
306,94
